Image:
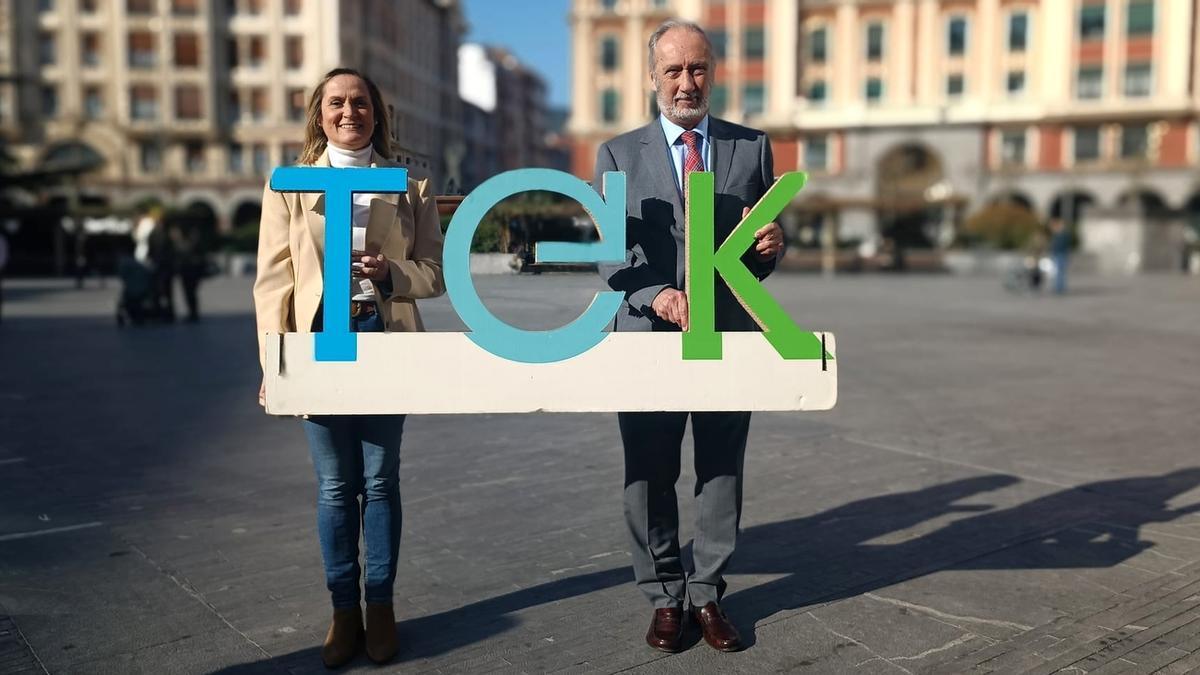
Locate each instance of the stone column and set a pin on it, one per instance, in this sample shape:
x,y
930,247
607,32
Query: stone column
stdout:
x,y
783,55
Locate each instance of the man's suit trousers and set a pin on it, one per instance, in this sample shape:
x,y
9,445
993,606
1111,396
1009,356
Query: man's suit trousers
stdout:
x,y
652,462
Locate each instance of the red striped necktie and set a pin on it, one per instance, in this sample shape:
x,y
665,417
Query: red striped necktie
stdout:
x,y
692,159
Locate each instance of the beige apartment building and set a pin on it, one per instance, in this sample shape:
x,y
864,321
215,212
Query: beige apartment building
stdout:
x,y
907,114
195,101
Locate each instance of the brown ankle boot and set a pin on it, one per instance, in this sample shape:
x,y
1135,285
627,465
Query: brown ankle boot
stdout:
x,y
381,633
344,637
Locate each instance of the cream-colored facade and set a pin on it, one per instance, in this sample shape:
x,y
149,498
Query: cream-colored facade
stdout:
x,y
194,101
610,60
1054,103
628,24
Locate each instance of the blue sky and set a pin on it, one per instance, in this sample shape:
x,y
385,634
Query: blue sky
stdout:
x,y
535,30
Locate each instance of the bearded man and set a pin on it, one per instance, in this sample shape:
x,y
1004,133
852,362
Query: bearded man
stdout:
x,y
656,160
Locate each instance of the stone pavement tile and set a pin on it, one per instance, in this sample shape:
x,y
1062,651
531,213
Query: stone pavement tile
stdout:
x,y
473,658
992,611
1004,603
1186,521
843,461
272,580
904,526
15,654
1146,610
1059,638
1124,641
185,655
1139,621
276,629
557,658
439,640
1187,663
24,486
1054,574
999,434
1175,622
615,639
618,654
288,639
1151,657
1029,650
539,638
899,634
283,587
538,655
83,599
798,644
1032,654
1054,639
1159,664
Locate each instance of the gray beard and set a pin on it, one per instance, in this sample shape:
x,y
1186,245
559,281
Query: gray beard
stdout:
x,y
690,115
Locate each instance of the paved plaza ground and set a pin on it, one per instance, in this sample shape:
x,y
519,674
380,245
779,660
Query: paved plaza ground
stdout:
x,y
1007,484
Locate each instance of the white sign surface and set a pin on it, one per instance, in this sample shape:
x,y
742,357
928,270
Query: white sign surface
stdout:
x,y
428,373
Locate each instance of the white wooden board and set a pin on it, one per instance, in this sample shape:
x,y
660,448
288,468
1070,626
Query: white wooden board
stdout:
x,y
428,373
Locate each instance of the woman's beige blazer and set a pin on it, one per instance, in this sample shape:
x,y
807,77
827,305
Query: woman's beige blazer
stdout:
x,y
291,243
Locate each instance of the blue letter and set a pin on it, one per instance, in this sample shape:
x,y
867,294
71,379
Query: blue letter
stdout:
x,y
513,343
335,342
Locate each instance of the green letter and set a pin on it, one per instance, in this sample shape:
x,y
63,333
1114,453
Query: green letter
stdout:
x,y
702,341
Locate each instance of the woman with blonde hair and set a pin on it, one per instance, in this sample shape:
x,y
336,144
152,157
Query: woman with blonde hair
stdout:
x,y
396,258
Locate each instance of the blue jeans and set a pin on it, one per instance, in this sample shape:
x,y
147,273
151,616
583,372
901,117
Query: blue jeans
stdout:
x,y
1060,272
357,462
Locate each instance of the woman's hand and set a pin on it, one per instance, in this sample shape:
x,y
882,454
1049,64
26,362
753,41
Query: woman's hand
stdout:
x,y
262,393
369,265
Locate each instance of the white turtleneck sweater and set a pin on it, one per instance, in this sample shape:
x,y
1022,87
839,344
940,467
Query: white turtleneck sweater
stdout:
x,y
360,289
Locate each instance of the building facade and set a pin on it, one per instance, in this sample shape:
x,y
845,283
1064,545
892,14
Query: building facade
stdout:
x,y
509,124
192,102
908,114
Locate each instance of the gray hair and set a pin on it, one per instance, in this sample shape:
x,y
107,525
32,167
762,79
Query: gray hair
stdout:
x,y
670,24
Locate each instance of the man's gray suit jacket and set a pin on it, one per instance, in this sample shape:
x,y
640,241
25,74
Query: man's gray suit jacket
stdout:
x,y
743,168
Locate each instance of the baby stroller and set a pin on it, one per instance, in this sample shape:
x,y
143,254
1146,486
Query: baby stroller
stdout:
x,y
1028,275
135,303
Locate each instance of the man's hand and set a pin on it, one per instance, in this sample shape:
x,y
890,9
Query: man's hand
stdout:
x,y
768,239
672,305
262,393
369,265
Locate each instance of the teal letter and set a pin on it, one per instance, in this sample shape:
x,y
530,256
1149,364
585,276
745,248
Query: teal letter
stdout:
x,y
335,342
516,344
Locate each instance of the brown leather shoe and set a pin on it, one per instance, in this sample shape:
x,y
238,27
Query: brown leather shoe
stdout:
x,y
381,633
344,637
666,629
718,631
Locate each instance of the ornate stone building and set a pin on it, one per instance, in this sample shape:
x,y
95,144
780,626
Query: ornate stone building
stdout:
x,y
194,101
909,113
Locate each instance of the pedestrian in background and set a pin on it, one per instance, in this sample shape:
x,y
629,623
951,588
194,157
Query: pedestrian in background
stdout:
x,y
396,258
143,230
154,250
162,266
133,303
1035,250
80,243
3,264
191,248
1060,252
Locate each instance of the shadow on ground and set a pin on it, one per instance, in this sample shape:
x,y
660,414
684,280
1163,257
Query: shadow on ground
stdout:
x,y
826,557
